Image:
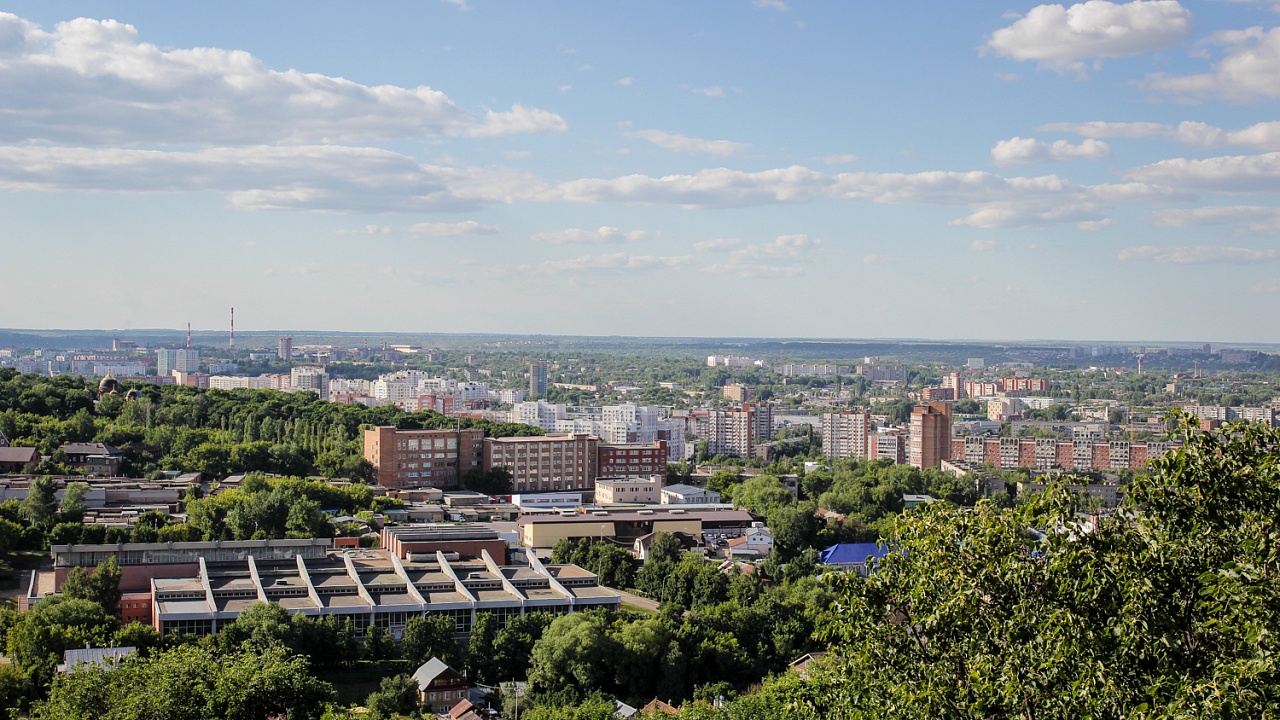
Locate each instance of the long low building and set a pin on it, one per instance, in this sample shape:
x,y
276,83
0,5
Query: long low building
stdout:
x,y
371,587
544,531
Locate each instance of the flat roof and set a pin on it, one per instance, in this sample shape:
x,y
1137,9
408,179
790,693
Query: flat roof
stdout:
x,y
718,515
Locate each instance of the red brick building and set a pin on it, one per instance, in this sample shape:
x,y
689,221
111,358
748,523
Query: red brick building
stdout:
x,y
423,458
631,460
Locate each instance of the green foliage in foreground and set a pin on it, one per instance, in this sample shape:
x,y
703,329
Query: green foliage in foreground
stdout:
x,y
191,682
1170,609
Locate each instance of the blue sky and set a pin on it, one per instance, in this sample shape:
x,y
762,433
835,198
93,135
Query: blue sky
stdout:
x,y
1101,171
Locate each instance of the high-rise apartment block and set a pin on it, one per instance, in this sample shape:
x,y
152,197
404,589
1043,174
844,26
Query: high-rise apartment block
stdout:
x,y
284,348
736,431
844,435
547,463
184,360
930,439
405,459
310,378
1049,453
538,378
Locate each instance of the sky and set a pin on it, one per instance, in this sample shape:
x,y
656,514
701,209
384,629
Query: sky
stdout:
x,y
762,168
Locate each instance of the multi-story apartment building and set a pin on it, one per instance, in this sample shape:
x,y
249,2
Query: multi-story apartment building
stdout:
x,y
883,373
736,431
1223,414
405,459
930,439
1050,453
931,394
538,378
539,413
627,424
234,382
184,360
632,460
284,348
888,445
309,378
547,463
844,435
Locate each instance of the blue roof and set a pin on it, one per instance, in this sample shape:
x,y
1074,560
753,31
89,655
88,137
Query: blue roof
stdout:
x,y
850,553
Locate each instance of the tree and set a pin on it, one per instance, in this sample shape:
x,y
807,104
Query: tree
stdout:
x,y
428,637
104,586
379,646
191,681
261,627
480,667
73,505
513,644
573,655
397,695
1169,608
761,494
496,481
41,505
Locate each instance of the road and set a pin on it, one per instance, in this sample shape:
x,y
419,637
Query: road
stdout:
x,y
638,601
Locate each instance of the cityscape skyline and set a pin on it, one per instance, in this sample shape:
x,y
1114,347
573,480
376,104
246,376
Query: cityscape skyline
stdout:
x,y
981,172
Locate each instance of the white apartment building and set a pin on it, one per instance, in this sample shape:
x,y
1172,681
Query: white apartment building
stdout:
x,y
118,369
181,359
235,382
844,435
539,413
309,378
508,397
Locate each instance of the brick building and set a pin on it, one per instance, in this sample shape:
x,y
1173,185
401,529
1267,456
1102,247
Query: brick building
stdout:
x,y
930,440
406,459
546,463
632,460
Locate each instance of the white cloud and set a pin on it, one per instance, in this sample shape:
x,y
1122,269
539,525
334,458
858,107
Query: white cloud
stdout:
x,y
626,81
318,178
458,229
1063,38
717,245
1195,254
876,259
758,260
1099,129
1249,69
598,237
982,245
772,5
1019,150
614,263
516,154
711,92
1259,219
460,4
1231,174
685,144
95,82
366,230
844,159
1267,286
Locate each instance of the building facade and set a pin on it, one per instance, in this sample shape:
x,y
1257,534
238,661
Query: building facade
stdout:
x,y
545,464
929,442
181,359
736,431
406,459
844,435
632,460
538,378
614,490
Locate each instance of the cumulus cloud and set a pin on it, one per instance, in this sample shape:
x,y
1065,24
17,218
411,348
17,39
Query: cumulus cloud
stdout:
x,y
1020,150
458,229
1195,254
1248,70
366,230
717,245
1063,38
676,142
772,5
982,245
626,81
1254,218
1230,174
95,82
1259,136
319,178
599,236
